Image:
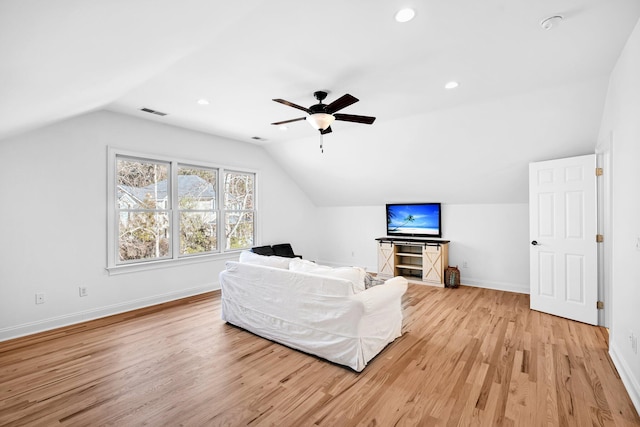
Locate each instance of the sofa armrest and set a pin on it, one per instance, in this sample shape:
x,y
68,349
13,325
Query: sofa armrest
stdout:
x,y
380,296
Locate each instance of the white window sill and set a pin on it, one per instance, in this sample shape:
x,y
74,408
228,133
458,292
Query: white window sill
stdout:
x,y
169,263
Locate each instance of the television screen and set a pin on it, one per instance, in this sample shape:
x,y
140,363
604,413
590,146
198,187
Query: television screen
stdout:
x,y
414,219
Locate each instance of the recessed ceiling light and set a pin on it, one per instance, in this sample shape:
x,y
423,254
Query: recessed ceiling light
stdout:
x,y
405,15
283,128
451,85
203,101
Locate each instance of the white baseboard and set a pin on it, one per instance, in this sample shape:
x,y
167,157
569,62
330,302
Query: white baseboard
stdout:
x,y
499,286
96,313
629,381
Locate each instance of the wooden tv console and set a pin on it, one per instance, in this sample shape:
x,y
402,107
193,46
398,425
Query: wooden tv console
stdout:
x,y
418,260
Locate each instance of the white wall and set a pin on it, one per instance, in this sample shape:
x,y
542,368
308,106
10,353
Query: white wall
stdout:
x,y
492,239
619,141
53,219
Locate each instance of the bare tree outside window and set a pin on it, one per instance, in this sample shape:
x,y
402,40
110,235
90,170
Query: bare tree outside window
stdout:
x,y
197,204
239,189
143,217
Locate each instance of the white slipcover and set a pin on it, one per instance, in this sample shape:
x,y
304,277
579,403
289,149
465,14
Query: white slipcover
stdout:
x,y
312,313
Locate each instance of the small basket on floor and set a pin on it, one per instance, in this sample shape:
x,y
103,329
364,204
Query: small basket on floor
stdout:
x,y
451,277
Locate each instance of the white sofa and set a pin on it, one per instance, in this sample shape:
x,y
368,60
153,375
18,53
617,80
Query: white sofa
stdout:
x,y
319,313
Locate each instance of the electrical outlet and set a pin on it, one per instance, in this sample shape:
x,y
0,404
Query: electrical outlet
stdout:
x,y
464,264
40,298
82,290
633,340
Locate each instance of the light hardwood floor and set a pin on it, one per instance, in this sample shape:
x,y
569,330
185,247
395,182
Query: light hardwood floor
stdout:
x,y
468,356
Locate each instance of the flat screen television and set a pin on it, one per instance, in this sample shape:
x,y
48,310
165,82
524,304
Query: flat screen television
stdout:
x,y
414,219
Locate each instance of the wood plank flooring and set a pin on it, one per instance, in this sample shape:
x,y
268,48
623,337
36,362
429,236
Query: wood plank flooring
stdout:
x,y
468,356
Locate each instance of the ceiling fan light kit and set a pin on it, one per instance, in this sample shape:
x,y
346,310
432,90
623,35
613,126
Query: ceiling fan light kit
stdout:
x,y
320,116
320,121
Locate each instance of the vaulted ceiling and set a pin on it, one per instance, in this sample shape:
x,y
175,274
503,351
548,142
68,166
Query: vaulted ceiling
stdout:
x,y
525,93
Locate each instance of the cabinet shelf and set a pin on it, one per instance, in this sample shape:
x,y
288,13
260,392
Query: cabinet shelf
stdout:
x,y
409,267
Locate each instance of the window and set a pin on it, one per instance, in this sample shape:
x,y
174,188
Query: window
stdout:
x,y
164,209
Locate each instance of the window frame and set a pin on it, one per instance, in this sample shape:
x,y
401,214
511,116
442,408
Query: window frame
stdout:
x,y
115,266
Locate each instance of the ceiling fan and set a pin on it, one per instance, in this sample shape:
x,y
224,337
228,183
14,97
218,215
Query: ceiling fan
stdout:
x,y
321,116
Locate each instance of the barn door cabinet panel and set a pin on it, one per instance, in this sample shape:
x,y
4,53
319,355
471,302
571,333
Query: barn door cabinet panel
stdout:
x,y
386,260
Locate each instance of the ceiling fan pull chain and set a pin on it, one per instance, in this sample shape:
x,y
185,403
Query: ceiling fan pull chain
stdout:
x,y
321,139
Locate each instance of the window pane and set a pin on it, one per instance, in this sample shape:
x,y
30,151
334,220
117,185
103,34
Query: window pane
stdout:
x,y
239,229
143,235
197,203
141,184
196,188
198,232
238,191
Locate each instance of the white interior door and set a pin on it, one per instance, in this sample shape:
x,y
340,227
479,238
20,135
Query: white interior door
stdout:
x,y
562,231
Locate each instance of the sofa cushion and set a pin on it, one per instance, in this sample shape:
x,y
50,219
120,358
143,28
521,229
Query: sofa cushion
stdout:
x,y
355,275
306,266
249,257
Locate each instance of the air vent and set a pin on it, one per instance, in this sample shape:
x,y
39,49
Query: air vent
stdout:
x,y
149,110
257,138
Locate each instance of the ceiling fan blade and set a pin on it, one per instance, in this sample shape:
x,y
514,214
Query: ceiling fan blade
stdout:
x,y
291,104
353,118
288,121
340,103
327,130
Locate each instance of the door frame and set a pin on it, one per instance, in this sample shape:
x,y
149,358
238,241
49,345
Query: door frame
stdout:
x,y
604,160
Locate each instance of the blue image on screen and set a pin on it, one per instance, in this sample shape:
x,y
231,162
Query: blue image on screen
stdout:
x,y
419,219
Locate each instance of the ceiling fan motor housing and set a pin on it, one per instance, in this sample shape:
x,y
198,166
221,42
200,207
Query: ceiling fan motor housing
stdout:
x,y
320,95
318,108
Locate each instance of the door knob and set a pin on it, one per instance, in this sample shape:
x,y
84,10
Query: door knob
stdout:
x,y
534,242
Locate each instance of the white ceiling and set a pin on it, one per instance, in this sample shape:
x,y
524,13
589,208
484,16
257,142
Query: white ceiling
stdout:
x,y
525,93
